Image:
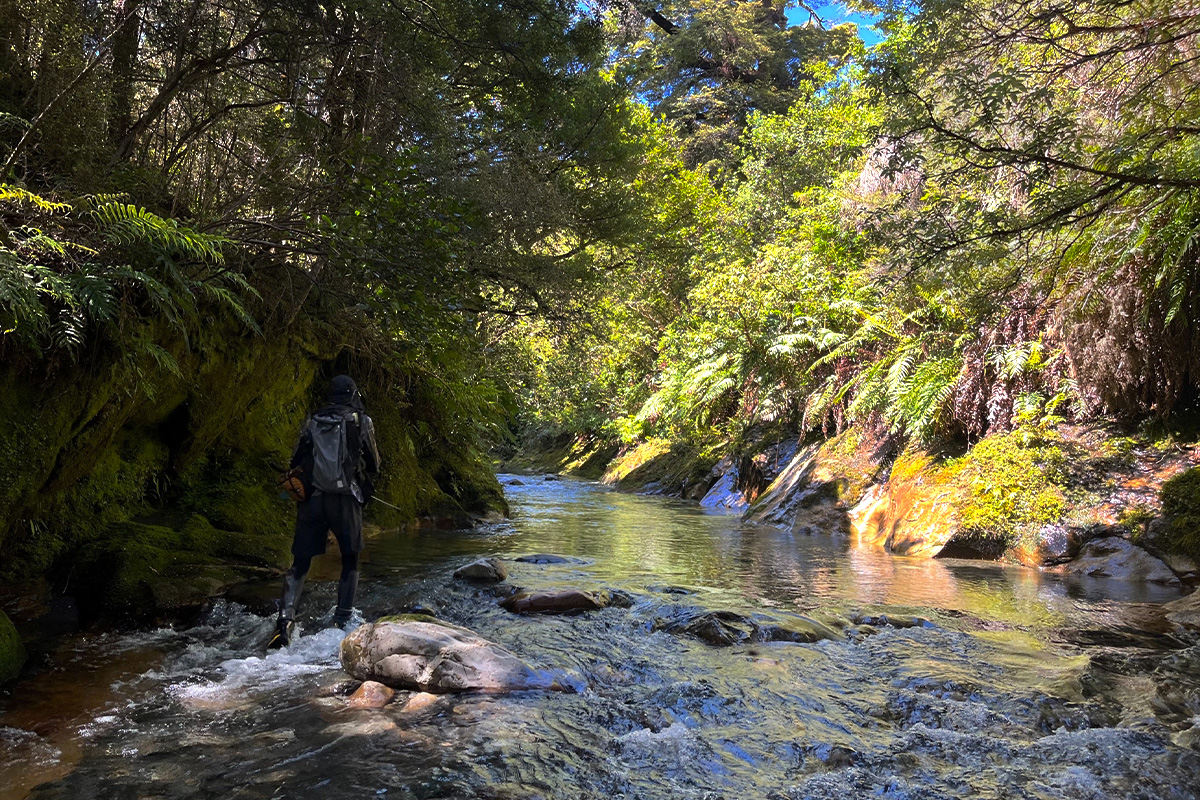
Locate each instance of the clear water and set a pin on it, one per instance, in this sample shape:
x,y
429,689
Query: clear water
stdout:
x,y
1015,685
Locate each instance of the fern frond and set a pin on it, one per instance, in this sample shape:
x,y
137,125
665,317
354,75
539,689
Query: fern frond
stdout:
x,y
127,225
15,195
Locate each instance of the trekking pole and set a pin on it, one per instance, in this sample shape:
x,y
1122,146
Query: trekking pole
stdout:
x,y
386,503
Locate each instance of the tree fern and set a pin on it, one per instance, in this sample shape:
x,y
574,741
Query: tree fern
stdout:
x,y
924,395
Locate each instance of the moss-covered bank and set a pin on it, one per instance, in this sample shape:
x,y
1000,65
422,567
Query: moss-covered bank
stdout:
x,y
142,484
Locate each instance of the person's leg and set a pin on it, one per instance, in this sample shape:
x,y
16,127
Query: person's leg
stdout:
x,y
308,541
346,525
347,586
293,585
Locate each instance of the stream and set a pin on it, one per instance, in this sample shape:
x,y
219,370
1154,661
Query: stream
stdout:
x,y
948,679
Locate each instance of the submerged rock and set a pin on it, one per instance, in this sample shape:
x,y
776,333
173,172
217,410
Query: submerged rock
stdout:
x,y
1114,557
728,628
490,570
564,602
434,657
547,558
892,621
371,694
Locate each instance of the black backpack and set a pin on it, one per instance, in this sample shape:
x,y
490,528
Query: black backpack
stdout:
x,y
333,462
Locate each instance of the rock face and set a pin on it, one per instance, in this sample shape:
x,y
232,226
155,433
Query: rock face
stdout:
x,y
485,570
1185,611
563,602
372,694
434,657
908,519
12,650
1182,566
1051,544
736,483
1114,557
814,493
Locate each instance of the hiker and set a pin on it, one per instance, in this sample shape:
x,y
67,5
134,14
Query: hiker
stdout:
x,y
335,462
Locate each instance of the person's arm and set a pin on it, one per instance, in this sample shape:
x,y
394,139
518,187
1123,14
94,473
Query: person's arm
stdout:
x,y
303,448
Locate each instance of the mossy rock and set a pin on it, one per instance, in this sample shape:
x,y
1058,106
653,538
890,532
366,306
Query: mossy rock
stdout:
x,y
974,505
1181,506
12,650
660,464
141,570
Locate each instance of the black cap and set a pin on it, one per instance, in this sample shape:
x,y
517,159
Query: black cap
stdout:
x,y
342,390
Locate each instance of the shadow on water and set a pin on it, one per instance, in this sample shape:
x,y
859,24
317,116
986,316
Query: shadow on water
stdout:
x,y
942,679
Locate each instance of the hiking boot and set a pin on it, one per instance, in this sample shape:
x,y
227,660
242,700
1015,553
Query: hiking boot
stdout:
x,y
285,631
341,617
347,586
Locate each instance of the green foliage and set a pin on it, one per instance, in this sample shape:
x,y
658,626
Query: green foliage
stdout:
x,y
1008,485
1181,506
1136,517
706,66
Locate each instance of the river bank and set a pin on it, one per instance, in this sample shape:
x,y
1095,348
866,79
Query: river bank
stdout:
x,y
1085,499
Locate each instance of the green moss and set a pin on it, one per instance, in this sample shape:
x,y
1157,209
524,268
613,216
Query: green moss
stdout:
x,y
1181,505
911,464
1136,518
567,453
105,461
1002,485
848,464
143,569
658,462
1008,485
12,650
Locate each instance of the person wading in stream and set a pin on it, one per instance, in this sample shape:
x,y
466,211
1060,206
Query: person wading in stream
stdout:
x,y
334,466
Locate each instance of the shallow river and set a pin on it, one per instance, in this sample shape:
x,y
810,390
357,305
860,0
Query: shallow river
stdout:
x,y
947,679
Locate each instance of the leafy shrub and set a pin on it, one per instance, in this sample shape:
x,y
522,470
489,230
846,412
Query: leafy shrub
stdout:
x,y
1181,503
1009,485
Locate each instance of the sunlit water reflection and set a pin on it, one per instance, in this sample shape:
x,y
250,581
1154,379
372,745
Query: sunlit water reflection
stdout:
x,y
1018,685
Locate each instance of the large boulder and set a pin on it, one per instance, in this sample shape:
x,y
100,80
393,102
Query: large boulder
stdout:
x,y
434,657
485,570
1114,557
563,602
12,650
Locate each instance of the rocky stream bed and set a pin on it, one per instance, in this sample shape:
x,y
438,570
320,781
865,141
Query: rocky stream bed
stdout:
x,y
648,649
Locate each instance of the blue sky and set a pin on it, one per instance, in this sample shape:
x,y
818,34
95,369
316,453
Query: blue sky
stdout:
x,y
833,13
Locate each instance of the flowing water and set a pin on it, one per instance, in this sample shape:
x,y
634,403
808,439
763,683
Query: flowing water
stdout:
x,y
946,679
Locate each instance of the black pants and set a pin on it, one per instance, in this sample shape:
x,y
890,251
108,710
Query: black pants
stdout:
x,y
315,518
